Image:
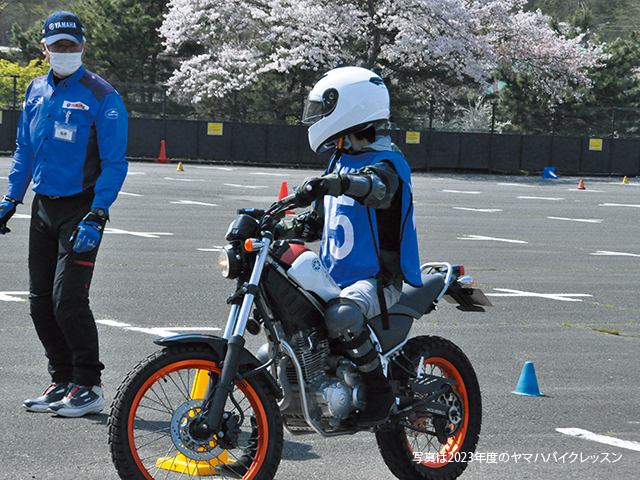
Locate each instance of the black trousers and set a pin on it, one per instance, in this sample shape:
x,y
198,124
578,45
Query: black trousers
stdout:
x,y
59,289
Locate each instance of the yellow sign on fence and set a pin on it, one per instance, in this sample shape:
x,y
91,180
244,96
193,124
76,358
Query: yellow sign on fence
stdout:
x,y
595,144
413,137
214,129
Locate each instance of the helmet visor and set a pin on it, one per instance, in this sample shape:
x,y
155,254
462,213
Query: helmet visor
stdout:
x,y
312,112
315,110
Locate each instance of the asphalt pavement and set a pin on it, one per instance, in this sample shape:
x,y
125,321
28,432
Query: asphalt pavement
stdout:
x,y
560,264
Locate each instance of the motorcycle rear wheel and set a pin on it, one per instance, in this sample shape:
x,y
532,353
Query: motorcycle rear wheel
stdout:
x,y
412,454
148,424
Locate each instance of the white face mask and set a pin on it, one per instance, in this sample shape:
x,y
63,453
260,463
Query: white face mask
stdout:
x,y
65,64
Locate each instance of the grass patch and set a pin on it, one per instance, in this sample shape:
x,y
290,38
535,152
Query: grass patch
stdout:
x,y
604,330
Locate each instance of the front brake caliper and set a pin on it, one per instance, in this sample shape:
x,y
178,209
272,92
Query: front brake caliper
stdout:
x,y
230,431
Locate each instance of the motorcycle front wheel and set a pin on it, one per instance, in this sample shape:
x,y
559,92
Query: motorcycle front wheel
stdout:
x,y
410,448
154,407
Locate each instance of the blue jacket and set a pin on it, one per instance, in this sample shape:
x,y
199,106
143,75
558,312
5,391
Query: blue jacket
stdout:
x,y
71,137
349,248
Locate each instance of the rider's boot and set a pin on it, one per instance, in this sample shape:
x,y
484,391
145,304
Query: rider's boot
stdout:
x,y
345,321
380,398
239,468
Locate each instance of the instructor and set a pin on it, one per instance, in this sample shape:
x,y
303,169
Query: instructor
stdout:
x,y
71,143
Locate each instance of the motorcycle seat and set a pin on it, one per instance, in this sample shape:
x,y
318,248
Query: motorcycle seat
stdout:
x,y
416,301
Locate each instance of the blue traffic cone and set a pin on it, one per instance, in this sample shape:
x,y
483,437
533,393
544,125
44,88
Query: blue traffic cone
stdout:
x,y
549,172
528,384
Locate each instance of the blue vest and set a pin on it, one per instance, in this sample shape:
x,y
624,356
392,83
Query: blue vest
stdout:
x,y
349,249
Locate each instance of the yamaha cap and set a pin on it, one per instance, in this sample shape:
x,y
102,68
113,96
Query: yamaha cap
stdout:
x,y
62,25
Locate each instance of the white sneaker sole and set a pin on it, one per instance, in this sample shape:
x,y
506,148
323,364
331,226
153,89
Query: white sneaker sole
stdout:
x,y
95,407
38,408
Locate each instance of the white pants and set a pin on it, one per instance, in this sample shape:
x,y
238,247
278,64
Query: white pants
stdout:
x,y
365,294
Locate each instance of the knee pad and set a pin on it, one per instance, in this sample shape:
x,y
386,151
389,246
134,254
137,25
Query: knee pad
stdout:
x,y
343,318
345,321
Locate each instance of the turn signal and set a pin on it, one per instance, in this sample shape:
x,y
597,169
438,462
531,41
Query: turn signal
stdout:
x,y
253,245
458,270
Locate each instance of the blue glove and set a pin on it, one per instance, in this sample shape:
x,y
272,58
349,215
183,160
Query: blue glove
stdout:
x,y
87,235
7,209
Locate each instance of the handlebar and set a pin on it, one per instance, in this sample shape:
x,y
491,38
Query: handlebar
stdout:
x,y
277,211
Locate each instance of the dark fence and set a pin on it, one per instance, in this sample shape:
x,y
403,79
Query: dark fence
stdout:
x,y
287,145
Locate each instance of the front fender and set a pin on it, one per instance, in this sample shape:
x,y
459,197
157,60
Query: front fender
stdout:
x,y
219,346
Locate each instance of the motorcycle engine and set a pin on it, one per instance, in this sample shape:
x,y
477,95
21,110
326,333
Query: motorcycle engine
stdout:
x,y
332,382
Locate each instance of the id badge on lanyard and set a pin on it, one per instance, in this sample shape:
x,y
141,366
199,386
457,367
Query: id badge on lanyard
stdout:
x,y
64,131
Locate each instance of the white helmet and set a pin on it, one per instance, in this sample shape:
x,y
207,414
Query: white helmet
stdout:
x,y
345,100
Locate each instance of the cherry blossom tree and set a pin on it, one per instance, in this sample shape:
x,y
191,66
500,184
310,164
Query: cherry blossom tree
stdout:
x,y
423,48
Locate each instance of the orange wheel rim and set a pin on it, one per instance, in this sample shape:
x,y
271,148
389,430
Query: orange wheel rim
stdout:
x,y
449,450
197,364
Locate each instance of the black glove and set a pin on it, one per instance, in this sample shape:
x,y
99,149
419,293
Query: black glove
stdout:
x,y
311,226
7,209
88,232
311,189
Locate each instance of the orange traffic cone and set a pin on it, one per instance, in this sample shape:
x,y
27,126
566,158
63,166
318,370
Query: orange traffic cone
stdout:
x,y
581,185
162,158
284,191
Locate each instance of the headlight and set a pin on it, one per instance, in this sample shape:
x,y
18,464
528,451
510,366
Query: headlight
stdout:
x,y
229,263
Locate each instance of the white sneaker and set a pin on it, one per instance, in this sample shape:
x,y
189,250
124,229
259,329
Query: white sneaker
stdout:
x,y
54,393
80,400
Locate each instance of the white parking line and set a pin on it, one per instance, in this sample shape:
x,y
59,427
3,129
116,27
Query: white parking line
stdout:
x,y
190,202
9,296
553,199
161,332
563,297
516,185
270,174
490,239
590,190
587,435
185,179
245,186
614,254
618,205
226,169
460,191
483,210
575,220
135,234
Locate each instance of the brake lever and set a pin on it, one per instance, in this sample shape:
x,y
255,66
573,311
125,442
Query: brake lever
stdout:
x,y
278,210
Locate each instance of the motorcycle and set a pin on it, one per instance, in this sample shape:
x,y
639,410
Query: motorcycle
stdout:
x,y
205,405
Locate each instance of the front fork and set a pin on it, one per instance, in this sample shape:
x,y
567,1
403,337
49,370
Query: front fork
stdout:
x,y
216,398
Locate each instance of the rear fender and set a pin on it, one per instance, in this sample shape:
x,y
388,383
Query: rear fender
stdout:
x,y
467,299
219,346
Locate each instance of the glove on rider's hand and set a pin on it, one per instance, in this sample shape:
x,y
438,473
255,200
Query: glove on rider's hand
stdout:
x,y
316,187
311,189
311,226
89,230
7,209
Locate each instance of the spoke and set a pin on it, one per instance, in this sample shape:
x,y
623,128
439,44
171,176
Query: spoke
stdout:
x,y
160,401
186,389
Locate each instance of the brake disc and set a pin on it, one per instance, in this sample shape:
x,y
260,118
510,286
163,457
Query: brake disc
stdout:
x,y
200,450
